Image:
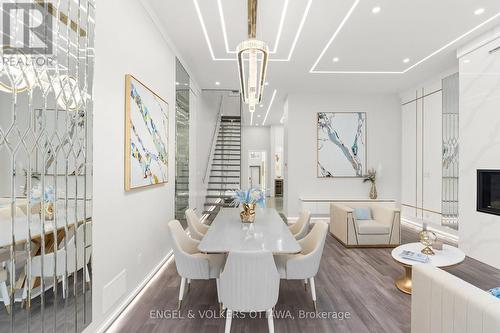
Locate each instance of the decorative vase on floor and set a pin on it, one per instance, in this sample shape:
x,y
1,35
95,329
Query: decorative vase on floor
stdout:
x,y
248,213
373,192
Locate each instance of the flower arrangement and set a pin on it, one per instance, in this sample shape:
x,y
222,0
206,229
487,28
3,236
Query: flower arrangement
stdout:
x,y
48,194
251,196
371,176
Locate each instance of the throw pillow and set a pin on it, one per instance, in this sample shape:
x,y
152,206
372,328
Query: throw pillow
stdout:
x,y
363,213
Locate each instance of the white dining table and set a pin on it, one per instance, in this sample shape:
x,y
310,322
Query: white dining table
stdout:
x,y
21,226
268,233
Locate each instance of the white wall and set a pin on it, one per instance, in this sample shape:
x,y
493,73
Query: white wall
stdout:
x,y
479,148
254,139
383,142
130,228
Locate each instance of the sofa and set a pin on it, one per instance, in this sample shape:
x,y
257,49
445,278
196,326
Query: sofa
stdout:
x,y
442,302
382,229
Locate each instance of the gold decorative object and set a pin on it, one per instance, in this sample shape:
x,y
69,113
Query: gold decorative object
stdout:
x,y
49,211
427,238
248,213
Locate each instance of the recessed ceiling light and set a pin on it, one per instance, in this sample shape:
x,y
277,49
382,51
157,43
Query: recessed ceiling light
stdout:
x,y
479,11
185,84
466,61
335,59
217,83
261,105
258,116
177,83
376,10
406,60
266,83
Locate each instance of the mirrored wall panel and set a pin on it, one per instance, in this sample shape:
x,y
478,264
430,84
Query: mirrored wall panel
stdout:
x,y
450,151
181,143
46,76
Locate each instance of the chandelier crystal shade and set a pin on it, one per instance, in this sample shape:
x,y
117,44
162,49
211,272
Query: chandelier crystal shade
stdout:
x,y
252,63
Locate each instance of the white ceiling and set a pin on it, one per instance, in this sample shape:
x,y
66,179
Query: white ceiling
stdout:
x,y
305,36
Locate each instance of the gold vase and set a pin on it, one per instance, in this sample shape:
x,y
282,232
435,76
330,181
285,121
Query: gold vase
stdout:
x,y
373,192
248,213
49,211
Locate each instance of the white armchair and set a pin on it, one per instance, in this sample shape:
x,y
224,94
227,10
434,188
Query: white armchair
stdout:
x,y
383,229
249,282
190,263
300,228
4,293
305,265
196,229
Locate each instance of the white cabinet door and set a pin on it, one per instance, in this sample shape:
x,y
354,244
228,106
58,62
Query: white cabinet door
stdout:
x,y
432,152
409,155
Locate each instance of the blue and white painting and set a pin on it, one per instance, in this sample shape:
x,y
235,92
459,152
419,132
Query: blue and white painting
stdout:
x,y
341,144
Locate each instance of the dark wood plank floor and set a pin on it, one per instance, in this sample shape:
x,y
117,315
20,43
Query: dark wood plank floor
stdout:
x,y
355,281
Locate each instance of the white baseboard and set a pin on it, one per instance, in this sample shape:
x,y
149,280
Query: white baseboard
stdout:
x,y
121,309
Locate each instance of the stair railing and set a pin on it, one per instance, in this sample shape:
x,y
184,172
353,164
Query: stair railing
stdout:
x,y
214,138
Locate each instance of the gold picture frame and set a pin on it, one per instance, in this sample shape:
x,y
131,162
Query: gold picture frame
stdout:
x,y
147,132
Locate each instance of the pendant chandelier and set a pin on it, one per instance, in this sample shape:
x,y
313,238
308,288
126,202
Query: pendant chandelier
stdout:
x,y
252,62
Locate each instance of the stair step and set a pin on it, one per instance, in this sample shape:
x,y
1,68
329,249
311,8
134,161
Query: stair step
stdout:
x,y
226,145
224,196
223,183
224,170
228,149
221,176
226,159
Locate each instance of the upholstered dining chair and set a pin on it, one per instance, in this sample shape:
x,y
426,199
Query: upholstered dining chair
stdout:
x,y
196,229
300,228
305,265
6,215
192,264
249,283
4,293
63,261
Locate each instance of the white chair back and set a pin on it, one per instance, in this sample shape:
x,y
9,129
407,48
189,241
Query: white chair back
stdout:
x,y
185,250
193,223
5,213
301,227
83,236
312,248
249,282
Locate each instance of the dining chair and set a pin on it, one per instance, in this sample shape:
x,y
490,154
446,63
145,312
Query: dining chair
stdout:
x,y
196,229
63,262
249,283
4,293
300,228
5,213
305,265
192,264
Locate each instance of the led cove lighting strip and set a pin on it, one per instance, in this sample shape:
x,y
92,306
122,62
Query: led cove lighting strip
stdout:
x,y
269,107
346,18
224,31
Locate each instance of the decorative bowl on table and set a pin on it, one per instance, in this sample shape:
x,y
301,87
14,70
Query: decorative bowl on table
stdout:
x,y
248,199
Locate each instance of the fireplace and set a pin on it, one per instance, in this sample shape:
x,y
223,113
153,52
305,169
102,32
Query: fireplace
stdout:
x,y
488,191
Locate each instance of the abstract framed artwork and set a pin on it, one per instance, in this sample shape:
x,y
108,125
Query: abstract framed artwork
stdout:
x,y
341,144
146,136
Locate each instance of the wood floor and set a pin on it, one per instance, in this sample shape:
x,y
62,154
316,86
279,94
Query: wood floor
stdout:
x,y
355,281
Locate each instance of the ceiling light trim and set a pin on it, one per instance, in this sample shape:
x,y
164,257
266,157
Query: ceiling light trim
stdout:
x,y
314,71
224,32
269,107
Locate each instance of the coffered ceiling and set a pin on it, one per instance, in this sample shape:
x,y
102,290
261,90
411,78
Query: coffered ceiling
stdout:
x,y
318,46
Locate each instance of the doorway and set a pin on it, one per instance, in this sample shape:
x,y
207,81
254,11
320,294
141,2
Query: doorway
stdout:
x,y
255,176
